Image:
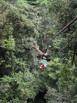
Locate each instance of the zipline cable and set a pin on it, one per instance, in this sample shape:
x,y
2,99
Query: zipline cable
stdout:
x,y
70,23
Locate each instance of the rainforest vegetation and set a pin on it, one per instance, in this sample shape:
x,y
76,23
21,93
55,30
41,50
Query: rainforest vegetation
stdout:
x,y
50,25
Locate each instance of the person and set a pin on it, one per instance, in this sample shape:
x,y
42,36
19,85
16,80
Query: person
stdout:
x,y
42,56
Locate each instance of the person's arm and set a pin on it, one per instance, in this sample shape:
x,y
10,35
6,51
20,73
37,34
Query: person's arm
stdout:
x,y
38,50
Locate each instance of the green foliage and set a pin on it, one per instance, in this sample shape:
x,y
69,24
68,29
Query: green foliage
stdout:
x,y
24,22
19,87
61,81
9,43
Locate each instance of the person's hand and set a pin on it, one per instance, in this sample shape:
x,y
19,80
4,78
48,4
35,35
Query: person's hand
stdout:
x,y
45,54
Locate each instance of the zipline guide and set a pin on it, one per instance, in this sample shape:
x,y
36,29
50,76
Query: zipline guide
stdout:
x,y
42,57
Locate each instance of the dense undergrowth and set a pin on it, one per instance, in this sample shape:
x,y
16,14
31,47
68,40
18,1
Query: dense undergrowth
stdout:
x,y
23,22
